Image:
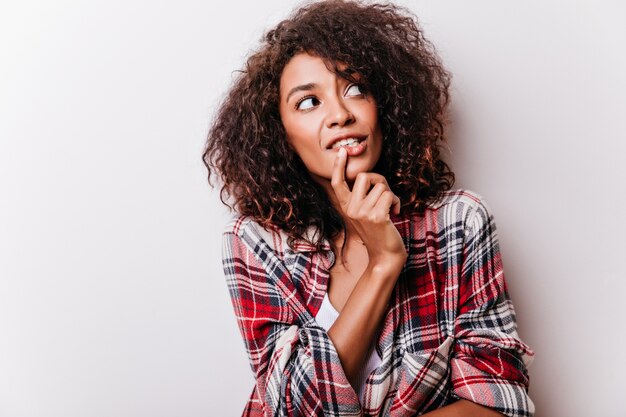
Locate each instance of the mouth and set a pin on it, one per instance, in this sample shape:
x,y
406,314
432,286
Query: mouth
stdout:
x,y
348,143
354,146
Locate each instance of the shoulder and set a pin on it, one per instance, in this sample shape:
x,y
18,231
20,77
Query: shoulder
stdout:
x,y
255,236
453,208
453,212
459,198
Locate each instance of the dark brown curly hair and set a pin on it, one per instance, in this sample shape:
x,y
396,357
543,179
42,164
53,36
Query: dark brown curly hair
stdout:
x,y
247,146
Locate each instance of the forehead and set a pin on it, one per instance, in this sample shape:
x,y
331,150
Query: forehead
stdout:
x,y
305,68
302,66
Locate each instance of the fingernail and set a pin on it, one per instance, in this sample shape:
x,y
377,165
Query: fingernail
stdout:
x,y
342,151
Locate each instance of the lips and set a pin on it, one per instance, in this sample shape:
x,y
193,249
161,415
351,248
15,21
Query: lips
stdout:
x,y
345,138
354,150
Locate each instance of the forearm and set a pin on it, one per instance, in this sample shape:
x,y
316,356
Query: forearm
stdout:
x,y
463,408
355,328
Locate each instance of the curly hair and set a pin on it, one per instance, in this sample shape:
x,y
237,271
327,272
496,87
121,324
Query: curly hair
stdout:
x,y
247,146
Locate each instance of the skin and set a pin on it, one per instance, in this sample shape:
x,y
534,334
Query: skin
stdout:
x,y
315,106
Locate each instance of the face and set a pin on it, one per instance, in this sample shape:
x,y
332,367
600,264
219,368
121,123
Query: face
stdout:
x,y
322,112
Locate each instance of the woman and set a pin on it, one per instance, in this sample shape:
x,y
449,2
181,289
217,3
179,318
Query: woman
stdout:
x,y
362,284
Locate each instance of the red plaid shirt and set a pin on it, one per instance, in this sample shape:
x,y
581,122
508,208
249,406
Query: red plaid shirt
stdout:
x,y
449,332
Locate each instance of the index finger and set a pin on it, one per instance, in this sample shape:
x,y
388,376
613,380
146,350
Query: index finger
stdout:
x,y
338,178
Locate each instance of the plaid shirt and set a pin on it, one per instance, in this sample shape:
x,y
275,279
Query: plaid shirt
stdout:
x,y
449,331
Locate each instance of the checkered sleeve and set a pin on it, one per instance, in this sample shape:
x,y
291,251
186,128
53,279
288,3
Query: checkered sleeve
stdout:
x,y
296,367
489,362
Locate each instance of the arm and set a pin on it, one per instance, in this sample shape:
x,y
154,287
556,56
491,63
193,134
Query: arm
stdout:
x,y
463,408
366,207
295,365
358,321
489,361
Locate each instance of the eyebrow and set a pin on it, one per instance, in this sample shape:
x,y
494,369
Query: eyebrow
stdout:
x,y
303,87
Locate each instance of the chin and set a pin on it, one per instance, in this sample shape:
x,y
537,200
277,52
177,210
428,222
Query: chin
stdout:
x,y
352,172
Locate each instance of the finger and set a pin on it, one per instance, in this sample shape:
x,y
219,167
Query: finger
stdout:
x,y
338,177
364,182
396,205
386,202
372,197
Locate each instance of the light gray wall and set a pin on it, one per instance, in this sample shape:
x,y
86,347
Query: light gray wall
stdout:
x,y
112,299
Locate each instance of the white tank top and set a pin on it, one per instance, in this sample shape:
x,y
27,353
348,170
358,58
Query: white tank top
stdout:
x,y
325,317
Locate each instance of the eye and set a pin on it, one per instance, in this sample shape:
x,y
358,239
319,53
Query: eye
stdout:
x,y
355,90
306,103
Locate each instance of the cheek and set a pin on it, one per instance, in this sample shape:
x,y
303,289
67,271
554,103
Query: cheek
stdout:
x,y
301,144
373,117
301,136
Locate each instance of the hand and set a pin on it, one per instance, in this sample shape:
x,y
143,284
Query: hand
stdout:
x,y
368,212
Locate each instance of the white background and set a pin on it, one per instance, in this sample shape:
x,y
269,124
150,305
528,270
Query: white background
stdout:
x,y
112,298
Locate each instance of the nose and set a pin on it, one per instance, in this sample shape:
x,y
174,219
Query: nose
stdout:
x,y
338,114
